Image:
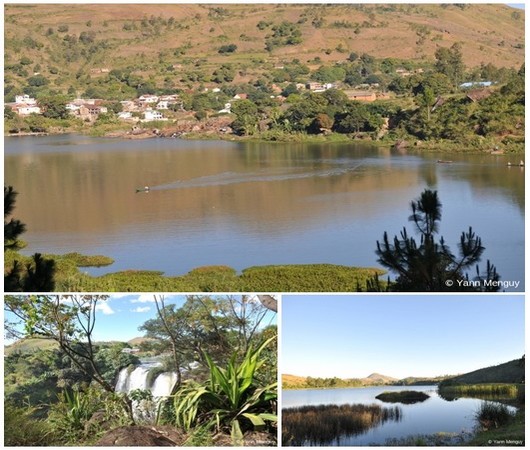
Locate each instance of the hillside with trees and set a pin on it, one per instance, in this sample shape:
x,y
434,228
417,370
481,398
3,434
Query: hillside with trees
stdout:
x,y
392,72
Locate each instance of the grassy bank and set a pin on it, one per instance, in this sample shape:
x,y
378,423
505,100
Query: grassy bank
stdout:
x,y
281,278
511,433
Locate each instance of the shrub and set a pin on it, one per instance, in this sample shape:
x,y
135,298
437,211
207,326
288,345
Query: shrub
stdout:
x,y
493,415
230,399
22,429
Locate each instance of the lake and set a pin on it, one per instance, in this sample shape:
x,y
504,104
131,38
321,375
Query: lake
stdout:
x,y
248,204
434,415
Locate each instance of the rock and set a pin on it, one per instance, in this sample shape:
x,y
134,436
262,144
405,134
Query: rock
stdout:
x,y
140,436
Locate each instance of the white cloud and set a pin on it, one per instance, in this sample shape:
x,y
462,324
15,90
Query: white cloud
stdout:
x,y
144,298
105,308
141,309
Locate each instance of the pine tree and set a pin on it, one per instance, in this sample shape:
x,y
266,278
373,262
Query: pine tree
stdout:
x,y
38,275
430,265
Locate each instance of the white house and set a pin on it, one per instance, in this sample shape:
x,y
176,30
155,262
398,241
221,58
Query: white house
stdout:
x,y
148,99
26,110
162,104
25,99
151,115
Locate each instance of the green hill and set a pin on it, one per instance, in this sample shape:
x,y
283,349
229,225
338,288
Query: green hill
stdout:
x,y
30,345
182,46
510,372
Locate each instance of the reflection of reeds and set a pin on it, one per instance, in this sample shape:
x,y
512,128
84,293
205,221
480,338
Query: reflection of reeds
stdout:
x,y
322,424
483,391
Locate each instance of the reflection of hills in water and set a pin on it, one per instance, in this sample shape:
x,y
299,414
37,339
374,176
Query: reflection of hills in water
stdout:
x,y
81,182
327,424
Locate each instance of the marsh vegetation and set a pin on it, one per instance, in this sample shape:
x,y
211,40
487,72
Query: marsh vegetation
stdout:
x,y
326,424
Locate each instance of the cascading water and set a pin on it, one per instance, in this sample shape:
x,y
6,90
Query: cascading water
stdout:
x,y
159,384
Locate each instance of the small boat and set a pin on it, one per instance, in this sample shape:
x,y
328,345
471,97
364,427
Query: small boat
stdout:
x,y
444,161
144,189
521,164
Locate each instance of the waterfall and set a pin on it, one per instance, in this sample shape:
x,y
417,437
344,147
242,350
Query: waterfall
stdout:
x,y
138,378
164,384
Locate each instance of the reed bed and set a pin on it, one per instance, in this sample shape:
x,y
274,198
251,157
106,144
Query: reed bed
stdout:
x,y
324,424
405,397
484,391
493,415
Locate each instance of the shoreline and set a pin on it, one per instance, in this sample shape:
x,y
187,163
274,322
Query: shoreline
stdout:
x,y
418,147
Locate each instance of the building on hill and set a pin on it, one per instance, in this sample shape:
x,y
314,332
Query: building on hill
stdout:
x,y
151,115
361,96
24,105
478,94
475,84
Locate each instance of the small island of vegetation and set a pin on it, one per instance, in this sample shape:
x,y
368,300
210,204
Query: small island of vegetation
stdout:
x,y
405,397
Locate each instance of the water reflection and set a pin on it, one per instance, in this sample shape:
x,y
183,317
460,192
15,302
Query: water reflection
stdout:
x,y
244,204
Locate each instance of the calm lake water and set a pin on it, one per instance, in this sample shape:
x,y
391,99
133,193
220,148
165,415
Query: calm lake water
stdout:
x,y
434,415
247,204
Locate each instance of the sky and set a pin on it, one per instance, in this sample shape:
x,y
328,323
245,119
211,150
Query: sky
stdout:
x,y
119,317
399,336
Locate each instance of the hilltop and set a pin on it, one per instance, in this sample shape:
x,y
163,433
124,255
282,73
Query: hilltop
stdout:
x,y
180,46
30,345
510,372
374,379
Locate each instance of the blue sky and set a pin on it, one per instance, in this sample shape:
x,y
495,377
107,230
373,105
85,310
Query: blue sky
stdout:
x,y
118,318
399,336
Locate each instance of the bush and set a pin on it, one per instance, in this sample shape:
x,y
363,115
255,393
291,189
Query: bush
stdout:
x,y
493,415
21,429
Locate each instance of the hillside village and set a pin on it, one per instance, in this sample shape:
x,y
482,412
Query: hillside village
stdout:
x,y
271,81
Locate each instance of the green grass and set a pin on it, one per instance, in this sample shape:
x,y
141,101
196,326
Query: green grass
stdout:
x,y
510,434
281,278
405,397
307,278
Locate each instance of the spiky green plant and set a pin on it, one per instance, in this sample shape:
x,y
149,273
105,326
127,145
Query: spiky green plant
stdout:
x,y
231,399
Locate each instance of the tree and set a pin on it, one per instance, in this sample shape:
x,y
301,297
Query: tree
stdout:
x,y
246,112
205,324
70,321
39,273
429,265
14,228
449,61
54,106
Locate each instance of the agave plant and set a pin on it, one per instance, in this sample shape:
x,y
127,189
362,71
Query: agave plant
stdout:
x,y
230,399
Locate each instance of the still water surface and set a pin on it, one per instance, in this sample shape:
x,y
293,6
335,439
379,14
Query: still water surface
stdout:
x,y
246,204
434,415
